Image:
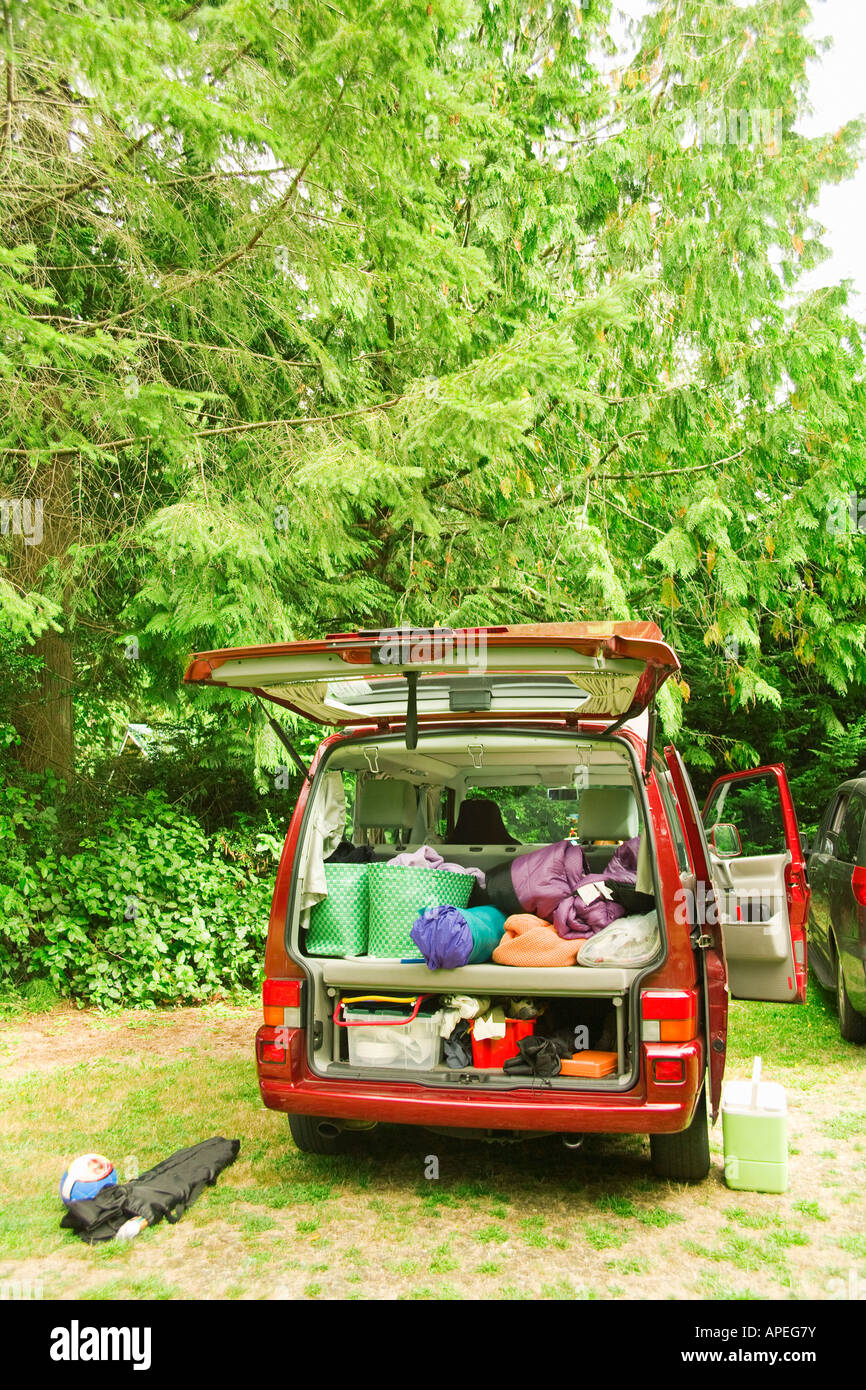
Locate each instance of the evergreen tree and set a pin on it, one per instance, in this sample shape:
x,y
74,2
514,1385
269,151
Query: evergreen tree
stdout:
x,y
315,315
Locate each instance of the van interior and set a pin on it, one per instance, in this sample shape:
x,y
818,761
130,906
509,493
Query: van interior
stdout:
x,y
480,798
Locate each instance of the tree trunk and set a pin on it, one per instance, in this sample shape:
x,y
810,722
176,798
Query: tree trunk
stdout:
x,y
45,719
45,723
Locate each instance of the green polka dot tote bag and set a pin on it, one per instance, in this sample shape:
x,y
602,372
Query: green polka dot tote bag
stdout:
x,y
338,924
399,895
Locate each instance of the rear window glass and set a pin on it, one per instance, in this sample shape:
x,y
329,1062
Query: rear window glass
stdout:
x,y
829,826
530,814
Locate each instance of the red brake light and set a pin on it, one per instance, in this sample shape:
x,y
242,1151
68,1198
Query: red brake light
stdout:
x,y
669,1003
669,1015
273,1049
669,1069
858,883
278,995
285,993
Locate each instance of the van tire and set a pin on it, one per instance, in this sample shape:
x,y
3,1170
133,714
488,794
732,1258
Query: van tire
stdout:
x,y
684,1157
852,1025
305,1132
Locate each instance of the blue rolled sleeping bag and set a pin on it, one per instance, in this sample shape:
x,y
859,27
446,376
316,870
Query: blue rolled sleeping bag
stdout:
x,y
488,928
449,937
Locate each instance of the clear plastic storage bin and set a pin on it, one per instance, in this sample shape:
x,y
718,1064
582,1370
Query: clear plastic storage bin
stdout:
x,y
389,1037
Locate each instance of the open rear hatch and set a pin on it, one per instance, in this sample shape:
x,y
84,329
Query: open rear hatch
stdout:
x,y
384,678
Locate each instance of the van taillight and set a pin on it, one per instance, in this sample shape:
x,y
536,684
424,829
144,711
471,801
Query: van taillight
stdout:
x,y
858,883
281,1002
669,1070
274,1050
668,1015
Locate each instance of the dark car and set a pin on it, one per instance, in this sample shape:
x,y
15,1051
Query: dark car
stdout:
x,y
837,921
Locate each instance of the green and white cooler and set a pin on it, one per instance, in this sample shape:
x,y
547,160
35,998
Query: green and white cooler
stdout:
x,y
755,1128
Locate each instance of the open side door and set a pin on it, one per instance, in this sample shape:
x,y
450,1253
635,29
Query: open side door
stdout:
x,y
759,869
706,930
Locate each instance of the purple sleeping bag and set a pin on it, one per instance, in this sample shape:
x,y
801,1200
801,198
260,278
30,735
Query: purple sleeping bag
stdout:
x,y
546,882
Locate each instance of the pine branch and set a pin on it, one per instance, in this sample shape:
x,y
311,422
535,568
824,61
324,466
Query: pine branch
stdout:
x,y
670,472
267,221
242,427
190,10
613,448
606,502
71,190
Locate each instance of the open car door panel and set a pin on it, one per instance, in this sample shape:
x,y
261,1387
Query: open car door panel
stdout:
x,y
760,874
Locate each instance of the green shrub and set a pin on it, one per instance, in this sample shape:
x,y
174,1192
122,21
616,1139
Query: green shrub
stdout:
x,y
143,909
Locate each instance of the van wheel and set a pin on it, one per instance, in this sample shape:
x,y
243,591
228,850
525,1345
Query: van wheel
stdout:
x,y
309,1138
684,1157
852,1025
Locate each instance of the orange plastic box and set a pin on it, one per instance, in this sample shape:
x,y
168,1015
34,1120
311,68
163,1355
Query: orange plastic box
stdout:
x,y
593,1064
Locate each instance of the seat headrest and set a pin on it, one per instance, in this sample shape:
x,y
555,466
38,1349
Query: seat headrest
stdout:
x,y
388,804
607,813
480,823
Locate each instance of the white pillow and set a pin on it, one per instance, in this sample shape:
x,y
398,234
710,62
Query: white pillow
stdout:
x,y
628,941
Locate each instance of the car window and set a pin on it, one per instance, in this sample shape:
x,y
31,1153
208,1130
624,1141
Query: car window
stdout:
x,y
673,817
830,824
754,806
848,839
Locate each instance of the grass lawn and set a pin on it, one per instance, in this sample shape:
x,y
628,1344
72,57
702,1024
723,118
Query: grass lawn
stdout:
x,y
523,1221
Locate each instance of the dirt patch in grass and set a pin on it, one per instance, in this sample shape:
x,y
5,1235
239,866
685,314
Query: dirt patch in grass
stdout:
x,y
526,1221
68,1036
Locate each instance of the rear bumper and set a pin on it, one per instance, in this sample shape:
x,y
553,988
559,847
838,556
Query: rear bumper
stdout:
x,y
651,1108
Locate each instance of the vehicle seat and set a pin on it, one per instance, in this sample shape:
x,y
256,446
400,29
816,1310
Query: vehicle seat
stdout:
x,y
605,813
386,804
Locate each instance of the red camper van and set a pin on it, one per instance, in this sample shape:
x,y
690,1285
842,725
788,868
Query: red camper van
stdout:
x,y
479,747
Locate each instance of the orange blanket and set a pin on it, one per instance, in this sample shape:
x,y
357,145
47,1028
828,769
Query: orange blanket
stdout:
x,y
530,940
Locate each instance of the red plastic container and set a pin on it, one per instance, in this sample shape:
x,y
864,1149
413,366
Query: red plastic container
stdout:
x,y
494,1052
